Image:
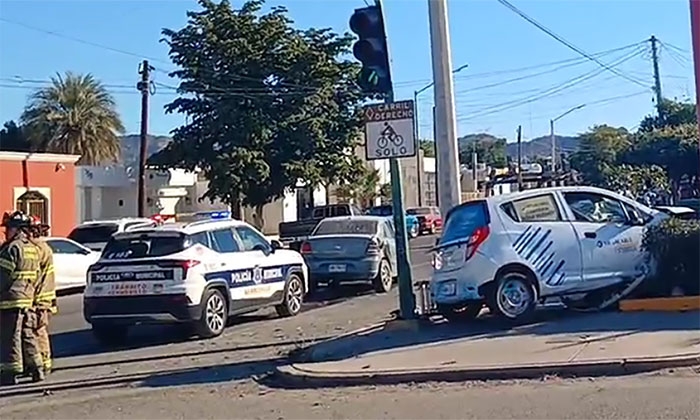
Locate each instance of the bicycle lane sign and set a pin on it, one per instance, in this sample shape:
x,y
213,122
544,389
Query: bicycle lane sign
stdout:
x,y
389,130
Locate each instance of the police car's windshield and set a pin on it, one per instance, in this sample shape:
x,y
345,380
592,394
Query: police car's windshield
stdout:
x,y
92,234
143,246
462,221
350,227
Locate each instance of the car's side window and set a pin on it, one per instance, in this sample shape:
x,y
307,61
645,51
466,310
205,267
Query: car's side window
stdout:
x,y
541,208
342,211
223,241
200,238
595,208
251,239
64,247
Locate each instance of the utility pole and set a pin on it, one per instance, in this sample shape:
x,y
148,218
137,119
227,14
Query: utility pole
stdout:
x,y
695,34
446,127
520,156
144,86
554,147
657,78
416,132
475,162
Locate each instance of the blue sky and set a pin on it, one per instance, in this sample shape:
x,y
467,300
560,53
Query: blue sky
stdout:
x,y
485,34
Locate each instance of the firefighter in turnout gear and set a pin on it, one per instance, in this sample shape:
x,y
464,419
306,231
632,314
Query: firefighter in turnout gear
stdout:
x,y
19,272
44,294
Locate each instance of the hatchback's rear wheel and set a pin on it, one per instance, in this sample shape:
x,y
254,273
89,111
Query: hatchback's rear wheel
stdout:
x,y
460,312
214,314
293,297
515,296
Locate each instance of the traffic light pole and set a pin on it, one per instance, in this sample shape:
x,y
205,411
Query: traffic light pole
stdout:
x,y
407,301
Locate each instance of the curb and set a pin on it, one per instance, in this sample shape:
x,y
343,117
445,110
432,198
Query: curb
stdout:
x,y
667,304
300,377
305,354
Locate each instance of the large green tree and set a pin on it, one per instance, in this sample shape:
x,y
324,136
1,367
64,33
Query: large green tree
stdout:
x,y
269,105
77,115
489,149
599,151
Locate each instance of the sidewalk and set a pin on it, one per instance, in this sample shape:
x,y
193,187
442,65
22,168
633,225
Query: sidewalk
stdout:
x,y
558,343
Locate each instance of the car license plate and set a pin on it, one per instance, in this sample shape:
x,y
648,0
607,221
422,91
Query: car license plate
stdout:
x,y
337,268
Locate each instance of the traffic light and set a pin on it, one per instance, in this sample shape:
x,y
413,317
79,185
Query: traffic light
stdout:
x,y
371,49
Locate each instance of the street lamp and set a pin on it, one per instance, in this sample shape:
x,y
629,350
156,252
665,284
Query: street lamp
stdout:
x,y
551,135
417,130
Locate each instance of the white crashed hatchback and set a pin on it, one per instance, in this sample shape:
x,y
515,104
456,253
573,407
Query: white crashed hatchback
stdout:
x,y
515,250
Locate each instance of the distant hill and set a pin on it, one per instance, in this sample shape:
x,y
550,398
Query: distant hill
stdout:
x,y
131,146
542,146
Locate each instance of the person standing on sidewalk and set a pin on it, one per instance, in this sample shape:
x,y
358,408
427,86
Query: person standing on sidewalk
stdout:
x,y
19,271
44,294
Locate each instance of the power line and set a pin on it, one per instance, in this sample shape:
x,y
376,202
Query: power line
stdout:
x,y
567,43
547,92
80,40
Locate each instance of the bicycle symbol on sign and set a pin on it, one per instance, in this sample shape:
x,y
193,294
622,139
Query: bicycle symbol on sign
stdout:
x,y
389,135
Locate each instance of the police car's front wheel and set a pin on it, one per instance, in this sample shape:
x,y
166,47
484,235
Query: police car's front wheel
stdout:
x,y
214,314
515,296
293,297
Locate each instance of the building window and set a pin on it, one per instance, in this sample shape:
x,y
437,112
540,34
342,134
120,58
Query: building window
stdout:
x,y
121,203
34,204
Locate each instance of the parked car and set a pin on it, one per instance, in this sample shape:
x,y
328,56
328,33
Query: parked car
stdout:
x,y
387,210
96,234
429,218
293,234
71,262
198,273
354,248
511,251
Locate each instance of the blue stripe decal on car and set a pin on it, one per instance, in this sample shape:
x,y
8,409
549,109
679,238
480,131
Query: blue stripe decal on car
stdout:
x,y
537,260
538,244
548,260
521,236
561,264
547,267
561,279
526,243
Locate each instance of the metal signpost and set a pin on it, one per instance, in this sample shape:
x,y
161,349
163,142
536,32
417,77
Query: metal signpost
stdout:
x,y
389,135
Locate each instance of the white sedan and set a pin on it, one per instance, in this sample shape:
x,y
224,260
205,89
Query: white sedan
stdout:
x,y
71,262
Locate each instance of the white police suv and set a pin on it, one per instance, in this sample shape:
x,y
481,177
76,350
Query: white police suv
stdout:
x,y
200,273
512,251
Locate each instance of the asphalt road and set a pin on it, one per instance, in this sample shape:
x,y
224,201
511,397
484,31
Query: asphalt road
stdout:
x,y
70,317
163,373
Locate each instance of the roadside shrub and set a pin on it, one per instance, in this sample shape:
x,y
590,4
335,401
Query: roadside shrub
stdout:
x,y
675,246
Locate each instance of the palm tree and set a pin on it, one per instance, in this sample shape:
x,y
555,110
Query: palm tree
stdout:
x,y
75,115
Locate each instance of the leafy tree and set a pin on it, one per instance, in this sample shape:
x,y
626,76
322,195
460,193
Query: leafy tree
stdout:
x,y
269,105
76,115
490,150
385,193
363,191
636,179
428,148
598,153
670,114
674,148
13,138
